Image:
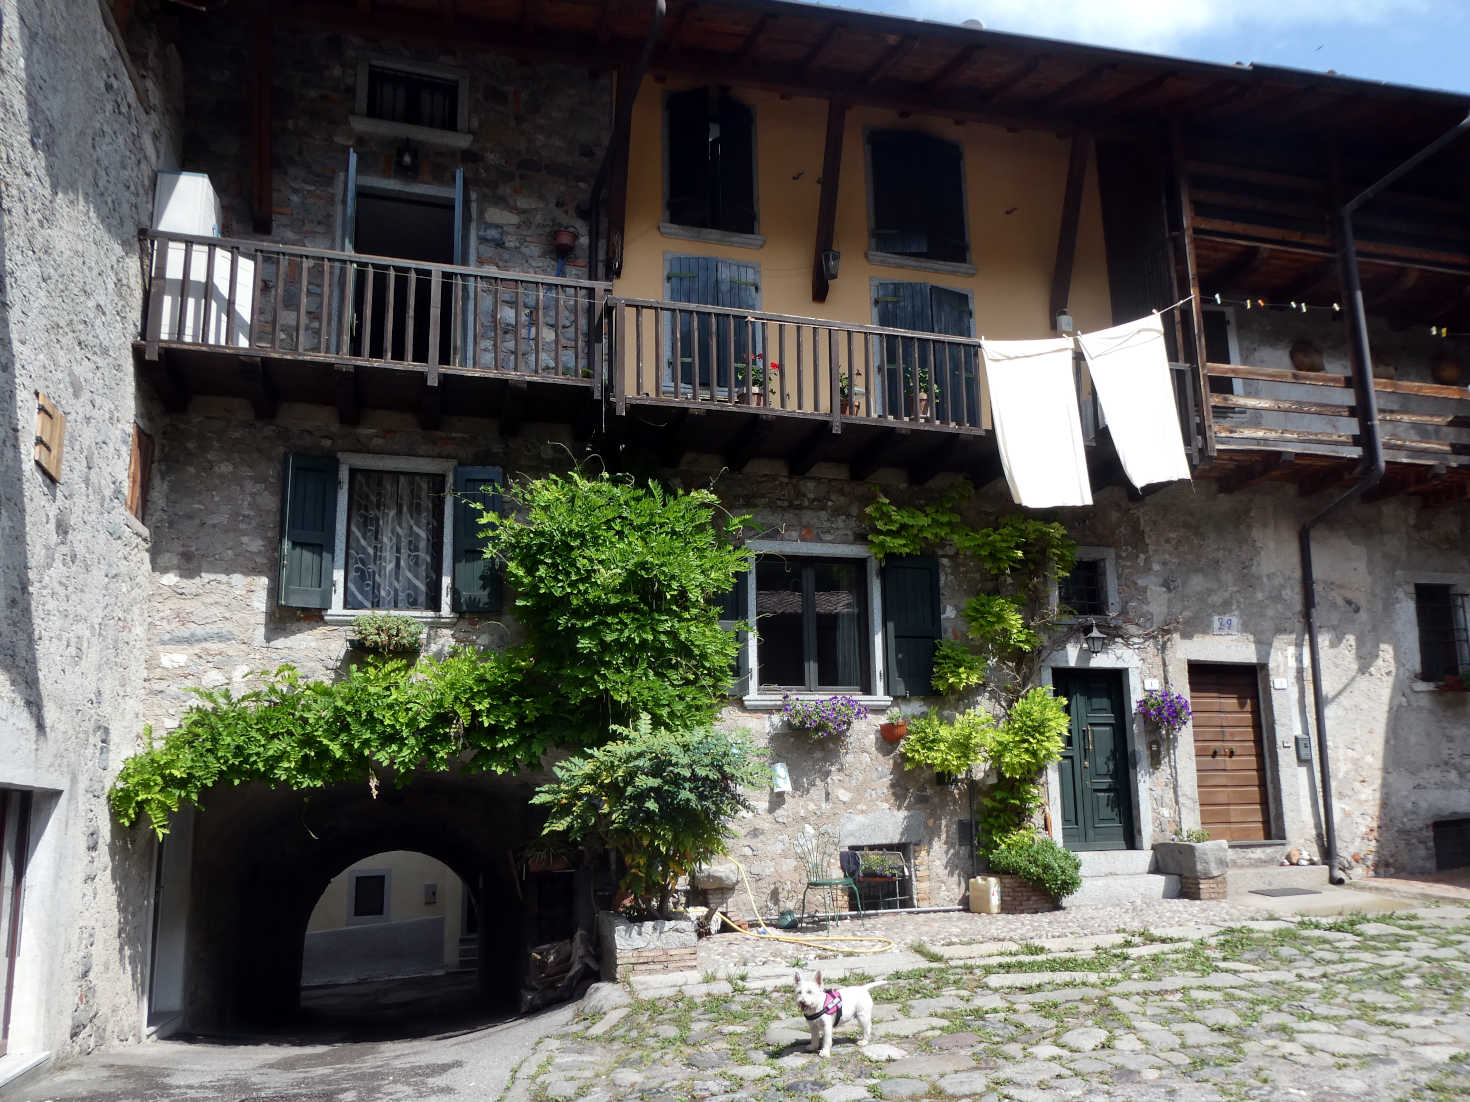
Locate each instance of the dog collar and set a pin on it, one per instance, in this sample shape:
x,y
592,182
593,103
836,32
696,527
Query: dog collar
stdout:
x,y
832,1005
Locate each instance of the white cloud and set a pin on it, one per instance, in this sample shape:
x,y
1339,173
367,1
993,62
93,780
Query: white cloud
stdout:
x,y
1162,25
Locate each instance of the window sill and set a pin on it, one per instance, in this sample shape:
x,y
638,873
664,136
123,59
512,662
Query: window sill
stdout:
x,y
766,703
341,616
713,237
919,264
428,135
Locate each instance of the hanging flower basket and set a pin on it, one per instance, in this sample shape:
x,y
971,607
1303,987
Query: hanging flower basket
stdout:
x,y
1165,710
825,717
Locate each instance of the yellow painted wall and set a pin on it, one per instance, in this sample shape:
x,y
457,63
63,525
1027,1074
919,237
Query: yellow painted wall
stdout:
x,y
410,872
1015,183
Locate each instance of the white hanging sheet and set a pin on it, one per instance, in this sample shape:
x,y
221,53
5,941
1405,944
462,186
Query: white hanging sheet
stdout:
x,y
1033,403
1129,365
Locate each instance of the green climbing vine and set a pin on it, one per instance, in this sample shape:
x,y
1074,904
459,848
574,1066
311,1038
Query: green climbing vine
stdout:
x,y
614,584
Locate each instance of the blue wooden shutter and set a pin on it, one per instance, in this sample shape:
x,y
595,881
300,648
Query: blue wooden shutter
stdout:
x,y
901,306
957,377
693,279
308,530
476,583
733,606
910,624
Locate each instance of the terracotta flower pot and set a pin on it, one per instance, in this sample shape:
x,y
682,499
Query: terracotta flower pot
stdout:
x,y
893,732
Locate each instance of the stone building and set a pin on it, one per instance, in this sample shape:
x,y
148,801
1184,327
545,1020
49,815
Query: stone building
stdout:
x,y
457,250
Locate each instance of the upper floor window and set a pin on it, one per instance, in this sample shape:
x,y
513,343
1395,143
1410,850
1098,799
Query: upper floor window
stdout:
x,y
1091,589
710,161
813,624
918,196
413,96
1444,630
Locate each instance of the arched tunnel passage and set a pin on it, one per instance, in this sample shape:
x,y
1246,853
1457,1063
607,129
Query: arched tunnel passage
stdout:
x,y
263,858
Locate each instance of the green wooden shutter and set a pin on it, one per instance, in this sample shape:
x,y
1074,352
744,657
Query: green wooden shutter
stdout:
x,y
308,530
733,605
910,624
476,585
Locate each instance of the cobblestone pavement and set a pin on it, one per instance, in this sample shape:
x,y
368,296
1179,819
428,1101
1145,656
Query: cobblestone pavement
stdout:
x,y
1358,1007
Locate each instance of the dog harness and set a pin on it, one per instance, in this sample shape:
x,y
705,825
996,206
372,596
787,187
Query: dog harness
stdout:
x,y
832,1005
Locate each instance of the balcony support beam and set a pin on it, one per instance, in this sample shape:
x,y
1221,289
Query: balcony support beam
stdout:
x,y
867,464
431,405
937,460
513,409
827,205
1254,473
742,450
172,384
810,451
1061,277
258,385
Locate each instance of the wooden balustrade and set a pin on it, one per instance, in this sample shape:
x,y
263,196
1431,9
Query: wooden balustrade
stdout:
x,y
263,299
1315,411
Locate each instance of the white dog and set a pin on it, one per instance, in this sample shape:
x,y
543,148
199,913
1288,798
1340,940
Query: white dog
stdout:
x,y
824,1008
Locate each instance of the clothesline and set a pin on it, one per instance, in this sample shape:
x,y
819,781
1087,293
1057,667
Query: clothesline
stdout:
x,y
1181,302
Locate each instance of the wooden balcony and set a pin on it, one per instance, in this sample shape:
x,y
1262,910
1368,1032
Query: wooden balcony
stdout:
x,y
1302,427
273,323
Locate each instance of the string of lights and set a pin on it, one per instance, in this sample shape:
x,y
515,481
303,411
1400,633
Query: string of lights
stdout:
x,y
1306,307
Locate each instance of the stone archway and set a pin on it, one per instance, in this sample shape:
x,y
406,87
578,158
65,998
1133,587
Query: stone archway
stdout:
x,y
263,857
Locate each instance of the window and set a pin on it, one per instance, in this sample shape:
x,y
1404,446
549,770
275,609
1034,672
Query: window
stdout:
x,y
140,466
395,533
904,370
711,161
418,99
1084,591
1444,630
918,196
812,618
368,896
1091,589
707,342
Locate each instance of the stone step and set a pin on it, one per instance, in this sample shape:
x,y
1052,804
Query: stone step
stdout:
x,y
1115,862
1125,888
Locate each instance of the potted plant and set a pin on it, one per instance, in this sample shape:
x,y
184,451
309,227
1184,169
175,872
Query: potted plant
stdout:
x,y
1192,853
895,727
825,717
1164,710
761,376
1456,682
950,749
916,382
547,854
386,633
880,865
850,396
1035,860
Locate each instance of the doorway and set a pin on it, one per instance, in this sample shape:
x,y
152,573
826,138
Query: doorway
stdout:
x,y
1097,800
391,305
1229,760
15,821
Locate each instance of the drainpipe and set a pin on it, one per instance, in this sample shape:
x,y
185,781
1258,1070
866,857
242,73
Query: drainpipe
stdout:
x,y
1371,467
622,121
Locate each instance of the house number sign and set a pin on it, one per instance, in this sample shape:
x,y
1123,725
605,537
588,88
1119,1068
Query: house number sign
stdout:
x,y
1226,625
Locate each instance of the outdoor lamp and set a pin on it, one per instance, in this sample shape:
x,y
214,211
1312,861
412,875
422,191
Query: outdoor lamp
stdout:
x,y
830,260
1095,640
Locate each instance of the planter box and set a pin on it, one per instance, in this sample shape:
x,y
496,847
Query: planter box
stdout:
x,y
1197,860
639,948
1021,897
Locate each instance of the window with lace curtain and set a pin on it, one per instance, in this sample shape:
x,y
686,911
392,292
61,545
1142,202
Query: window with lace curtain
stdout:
x,y
395,540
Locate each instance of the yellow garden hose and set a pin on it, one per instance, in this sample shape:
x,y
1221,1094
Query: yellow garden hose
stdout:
x,y
827,943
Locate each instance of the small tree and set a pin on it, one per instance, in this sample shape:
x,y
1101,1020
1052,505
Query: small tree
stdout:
x,y
663,798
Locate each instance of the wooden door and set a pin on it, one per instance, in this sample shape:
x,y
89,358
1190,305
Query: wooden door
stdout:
x,y
1097,797
1230,761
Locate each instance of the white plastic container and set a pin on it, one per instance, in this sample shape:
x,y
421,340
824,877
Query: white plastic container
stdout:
x,y
984,895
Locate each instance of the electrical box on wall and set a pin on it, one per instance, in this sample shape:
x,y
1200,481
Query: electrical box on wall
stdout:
x,y
1303,749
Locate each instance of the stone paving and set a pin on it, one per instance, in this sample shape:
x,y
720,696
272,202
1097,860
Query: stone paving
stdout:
x,y
1374,1008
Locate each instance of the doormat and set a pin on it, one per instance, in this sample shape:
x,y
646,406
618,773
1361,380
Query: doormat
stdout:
x,y
1277,893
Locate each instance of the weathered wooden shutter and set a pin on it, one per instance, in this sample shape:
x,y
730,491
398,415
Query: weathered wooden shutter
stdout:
x,y
688,157
693,279
957,379
476,584
910,624
736,179
900,306
140,467
737,286
733,610
944,201
308,530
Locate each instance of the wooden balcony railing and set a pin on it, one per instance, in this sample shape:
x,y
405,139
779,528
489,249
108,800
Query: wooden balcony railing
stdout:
x,y
679,353
1289,411
263,299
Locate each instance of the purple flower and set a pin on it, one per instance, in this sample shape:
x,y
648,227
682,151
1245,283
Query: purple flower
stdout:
x,y
1165,709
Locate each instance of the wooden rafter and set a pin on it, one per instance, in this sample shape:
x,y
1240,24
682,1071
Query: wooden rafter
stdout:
x,y
1013,78
827,204
676,25
805,65
962,57
1326,478
1073,87
1254,473
1235,274
890,56
1139,91
749,44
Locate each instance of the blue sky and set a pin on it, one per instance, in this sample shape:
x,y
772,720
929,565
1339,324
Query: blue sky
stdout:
x,y
1419,42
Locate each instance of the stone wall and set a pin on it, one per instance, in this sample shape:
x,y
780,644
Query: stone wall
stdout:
x,y
80,139
538,130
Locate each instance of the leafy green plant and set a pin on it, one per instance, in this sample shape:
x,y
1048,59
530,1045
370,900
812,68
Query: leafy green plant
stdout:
x,y
1038,860
947,747
1028,740
387,631
1000,626
1193,834
956,668
664,798
824,717
614,585
878,863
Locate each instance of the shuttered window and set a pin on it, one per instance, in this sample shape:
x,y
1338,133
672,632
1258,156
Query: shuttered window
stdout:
x,y
140,469
733,612
712,349
711,161
910,623
918,196
908,364
308,530
477,585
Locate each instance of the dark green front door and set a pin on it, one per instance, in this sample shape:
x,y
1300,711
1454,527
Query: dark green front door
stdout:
x,y
1097,798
